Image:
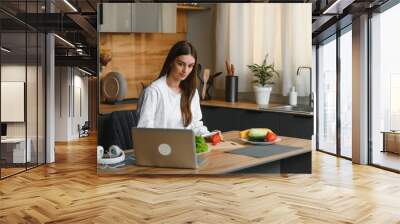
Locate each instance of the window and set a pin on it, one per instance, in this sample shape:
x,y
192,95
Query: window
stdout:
x,y
333,137
346,93
385,85
327,96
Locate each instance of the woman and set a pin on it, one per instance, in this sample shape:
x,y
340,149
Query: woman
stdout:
x,y
172,100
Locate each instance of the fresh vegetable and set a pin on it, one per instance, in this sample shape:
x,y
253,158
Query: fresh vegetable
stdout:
x,y
257,133
201,145
270,137
244,134
256,139
215,139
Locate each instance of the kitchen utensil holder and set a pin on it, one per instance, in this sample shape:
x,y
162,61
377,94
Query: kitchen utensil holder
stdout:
x,y
231,88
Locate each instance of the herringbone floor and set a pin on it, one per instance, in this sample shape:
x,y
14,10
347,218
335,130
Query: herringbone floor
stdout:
x,y
69,191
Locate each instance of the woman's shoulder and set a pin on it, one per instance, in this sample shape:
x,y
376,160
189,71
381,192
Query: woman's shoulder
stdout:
x,y
152,90
156,88
158,84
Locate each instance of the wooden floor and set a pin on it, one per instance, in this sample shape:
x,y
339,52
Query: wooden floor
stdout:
x,y
69,191
5,172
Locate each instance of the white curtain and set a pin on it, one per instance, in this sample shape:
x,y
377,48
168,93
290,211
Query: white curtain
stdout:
x,y
245,33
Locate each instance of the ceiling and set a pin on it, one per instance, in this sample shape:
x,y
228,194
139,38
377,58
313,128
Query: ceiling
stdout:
x,y
76,22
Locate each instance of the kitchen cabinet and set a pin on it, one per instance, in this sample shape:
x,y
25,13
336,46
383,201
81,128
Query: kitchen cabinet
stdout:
x,y
228,119
138,17
218,118
259,119
295,125
116,17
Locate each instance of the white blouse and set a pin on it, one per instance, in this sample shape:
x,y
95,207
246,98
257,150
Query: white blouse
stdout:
x,y
161,109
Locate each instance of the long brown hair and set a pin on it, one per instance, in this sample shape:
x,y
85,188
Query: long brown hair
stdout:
x,y
188,86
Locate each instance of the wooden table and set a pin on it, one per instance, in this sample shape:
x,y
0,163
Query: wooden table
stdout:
x,y
391,141
219,162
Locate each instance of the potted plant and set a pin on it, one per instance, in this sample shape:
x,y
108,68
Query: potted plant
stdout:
x,y
263,75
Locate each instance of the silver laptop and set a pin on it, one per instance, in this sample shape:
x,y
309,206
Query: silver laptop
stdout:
x,y
173,148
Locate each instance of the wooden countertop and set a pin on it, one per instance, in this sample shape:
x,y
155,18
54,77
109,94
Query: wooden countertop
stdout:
x,y
252,106
108,108
236,105
219,162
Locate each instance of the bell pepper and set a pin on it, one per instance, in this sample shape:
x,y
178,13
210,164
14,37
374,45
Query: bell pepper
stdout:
x,y
244,134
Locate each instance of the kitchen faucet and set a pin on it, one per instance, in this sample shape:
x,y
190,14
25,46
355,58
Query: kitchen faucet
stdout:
x,y
311,102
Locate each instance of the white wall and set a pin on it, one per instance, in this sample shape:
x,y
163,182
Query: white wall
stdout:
x,y
12,73
62,81
70,83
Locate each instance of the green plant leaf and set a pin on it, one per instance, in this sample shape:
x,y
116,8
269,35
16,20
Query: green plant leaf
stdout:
x,y
264,72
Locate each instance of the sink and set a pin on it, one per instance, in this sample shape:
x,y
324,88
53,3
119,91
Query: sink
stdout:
x,y
300,108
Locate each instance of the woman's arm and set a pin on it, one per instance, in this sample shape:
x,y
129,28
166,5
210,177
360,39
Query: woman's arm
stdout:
x,y
148,108
197,123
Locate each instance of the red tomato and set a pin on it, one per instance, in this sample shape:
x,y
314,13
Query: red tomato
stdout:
x,y
215,139
270,137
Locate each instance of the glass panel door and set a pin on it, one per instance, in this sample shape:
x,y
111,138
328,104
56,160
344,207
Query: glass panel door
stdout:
x,y
22,91
13,59
13,87
327,96
346,94
385,89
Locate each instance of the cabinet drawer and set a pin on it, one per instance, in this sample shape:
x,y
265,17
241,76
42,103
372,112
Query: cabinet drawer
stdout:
x,y
227,119
259,119
298,126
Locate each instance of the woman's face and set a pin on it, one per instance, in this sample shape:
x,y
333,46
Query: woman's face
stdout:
x,y
182,66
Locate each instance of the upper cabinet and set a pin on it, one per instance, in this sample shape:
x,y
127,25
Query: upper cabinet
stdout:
x,y
138,17
116,17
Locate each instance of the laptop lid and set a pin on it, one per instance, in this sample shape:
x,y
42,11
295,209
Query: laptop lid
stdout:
x,y
174,148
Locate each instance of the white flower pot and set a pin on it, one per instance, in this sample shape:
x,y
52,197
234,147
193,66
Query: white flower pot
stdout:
x,y
262,94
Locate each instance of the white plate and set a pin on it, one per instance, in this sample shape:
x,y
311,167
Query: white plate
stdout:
x,y
278,139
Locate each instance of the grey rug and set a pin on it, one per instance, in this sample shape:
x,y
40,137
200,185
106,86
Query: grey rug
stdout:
x,y
264,151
